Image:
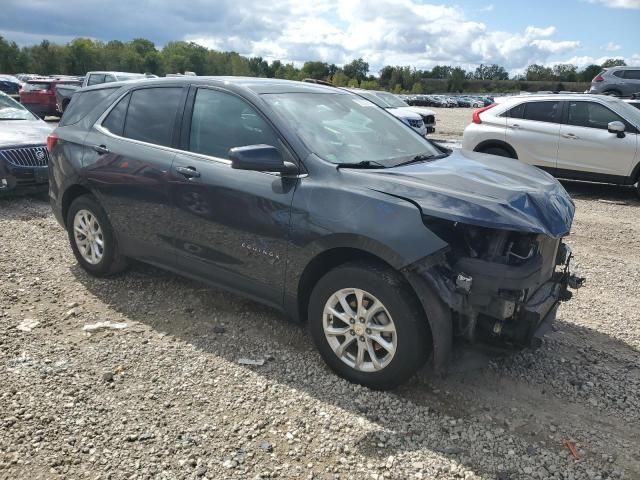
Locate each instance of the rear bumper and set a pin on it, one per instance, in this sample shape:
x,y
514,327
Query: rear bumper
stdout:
x,y
42,109
13,178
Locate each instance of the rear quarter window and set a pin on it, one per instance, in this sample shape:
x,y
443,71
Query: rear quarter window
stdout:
x,y
82,103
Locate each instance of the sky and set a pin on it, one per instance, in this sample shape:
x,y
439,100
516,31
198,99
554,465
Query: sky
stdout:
x,y
421,34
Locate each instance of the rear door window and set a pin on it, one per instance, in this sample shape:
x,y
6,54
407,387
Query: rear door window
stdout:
x,y
115,120
517,111
221,121
151,115
542,111
82,103
632,74
591,115
95,79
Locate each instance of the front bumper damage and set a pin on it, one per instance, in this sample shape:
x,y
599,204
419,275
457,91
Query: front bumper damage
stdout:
x,y
498,303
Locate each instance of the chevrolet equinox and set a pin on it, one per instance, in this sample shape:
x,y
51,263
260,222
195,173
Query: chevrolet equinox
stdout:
x,y
319,203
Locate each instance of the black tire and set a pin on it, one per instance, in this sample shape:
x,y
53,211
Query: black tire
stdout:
x,y
413,340
498,151
638,188
613,93
112,261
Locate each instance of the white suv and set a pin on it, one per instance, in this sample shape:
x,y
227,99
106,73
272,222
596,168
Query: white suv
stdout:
x,y
573,136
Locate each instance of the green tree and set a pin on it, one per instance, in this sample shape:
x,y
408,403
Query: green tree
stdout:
x,y
490,72
317,70
537,72
357,69
589,72
565,72
614,62
457,80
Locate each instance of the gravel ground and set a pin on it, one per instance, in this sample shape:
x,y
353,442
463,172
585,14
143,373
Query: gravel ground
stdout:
x,y
164,397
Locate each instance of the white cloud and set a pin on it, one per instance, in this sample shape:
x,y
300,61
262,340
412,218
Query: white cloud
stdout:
x,y
395,32
384,32
612,47
618,3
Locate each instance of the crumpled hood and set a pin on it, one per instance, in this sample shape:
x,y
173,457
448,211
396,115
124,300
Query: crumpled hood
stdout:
x,y
15,133
482,190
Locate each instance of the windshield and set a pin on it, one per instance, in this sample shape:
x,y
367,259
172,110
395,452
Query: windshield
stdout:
x,y
392,100
343,128
12,110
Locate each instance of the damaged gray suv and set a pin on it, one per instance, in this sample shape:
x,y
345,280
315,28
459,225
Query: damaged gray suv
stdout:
x,y
316,202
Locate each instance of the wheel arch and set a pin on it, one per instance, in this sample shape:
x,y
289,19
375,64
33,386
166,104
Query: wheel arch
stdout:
x,y
70,194
437,314
498,144
321,264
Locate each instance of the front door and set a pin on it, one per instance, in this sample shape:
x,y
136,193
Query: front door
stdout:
x,y
231,226
587,150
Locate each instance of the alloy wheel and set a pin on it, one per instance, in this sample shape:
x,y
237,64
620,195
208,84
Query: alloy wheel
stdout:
x,y
88,236
359,329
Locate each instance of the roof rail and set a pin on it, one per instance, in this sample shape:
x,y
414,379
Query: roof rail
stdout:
x,y
319,82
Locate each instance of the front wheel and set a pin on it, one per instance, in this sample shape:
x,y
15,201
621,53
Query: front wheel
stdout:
x,y
368,325
92,238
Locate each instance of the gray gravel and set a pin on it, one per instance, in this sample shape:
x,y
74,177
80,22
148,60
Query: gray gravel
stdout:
x,y
164,396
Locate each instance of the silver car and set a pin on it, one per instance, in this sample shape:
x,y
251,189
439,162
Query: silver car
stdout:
x,y
404,113
618,81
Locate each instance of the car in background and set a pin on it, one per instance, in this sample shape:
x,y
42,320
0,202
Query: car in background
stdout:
x,y
572,136
404,114
394,102
316,202
64,93
10,85
617,81
634,101
23,152
39,96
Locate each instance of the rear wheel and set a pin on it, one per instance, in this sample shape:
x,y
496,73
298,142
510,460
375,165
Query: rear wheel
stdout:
x,y
368,325
92,238
499,151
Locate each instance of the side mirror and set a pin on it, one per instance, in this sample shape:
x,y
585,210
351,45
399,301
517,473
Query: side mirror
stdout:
x,y
616,127
260,158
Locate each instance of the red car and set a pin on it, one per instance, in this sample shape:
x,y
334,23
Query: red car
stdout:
x,y
39,96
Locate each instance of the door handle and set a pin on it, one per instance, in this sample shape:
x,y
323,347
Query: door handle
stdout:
x,y
100,149
515,126
570,136
188,172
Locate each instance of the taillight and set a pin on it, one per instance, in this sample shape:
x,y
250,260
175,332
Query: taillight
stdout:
x,y
52,139
598,78
475,118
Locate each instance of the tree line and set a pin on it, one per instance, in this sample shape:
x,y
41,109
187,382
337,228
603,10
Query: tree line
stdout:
x,y
141,55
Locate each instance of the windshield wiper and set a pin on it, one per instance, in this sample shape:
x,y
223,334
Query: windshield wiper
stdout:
x,y
12,119
362,164
423,158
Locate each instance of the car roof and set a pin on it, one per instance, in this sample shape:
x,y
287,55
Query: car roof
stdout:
x,y
257,85
560,96
626,67
100,72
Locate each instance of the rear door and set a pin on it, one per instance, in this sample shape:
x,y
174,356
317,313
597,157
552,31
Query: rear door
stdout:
x,y
587,150
127,164
231,225
631,83
533,130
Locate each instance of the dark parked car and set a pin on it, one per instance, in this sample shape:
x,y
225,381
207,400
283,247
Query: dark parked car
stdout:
x,y
10,85
23,152
309,199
